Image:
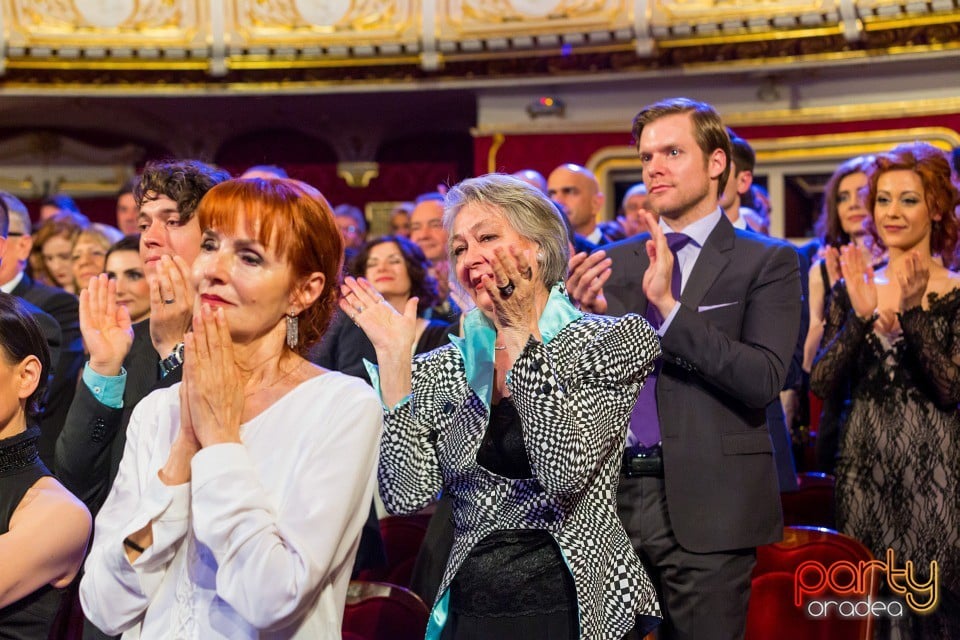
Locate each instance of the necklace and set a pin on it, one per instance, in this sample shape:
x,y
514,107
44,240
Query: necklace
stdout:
x,y
247,394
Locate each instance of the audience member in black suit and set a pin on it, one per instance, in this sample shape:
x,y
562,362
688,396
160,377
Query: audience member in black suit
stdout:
x,y
125,362
702,446
780,416
63,339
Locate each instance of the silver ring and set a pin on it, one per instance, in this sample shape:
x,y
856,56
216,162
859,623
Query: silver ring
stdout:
x,y
507,290
359,308
170,301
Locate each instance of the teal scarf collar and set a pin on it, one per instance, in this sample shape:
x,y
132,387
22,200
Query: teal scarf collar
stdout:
x,y
476,347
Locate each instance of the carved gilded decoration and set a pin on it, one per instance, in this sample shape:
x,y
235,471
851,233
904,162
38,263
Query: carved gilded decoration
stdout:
x,y
669,12
507,18
312,22
294,44
100,23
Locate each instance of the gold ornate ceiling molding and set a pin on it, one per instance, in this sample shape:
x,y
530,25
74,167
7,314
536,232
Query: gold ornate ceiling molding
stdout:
x,y
293,44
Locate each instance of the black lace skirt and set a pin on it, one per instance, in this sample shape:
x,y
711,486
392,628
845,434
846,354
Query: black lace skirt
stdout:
x,y
514,584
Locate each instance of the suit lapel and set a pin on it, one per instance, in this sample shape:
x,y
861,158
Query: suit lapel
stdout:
x,y
714,257
143,372
23,287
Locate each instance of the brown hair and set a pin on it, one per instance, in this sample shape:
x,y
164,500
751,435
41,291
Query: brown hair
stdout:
x,y
828,227
296,221
183,181
708,129
65,224
422,284
939,192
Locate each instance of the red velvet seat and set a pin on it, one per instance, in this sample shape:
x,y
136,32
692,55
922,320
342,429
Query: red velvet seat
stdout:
x,y
813,503
402,537
773,612
381,611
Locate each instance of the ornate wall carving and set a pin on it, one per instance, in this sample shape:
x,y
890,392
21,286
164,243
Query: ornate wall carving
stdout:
x,y
275,44
99,23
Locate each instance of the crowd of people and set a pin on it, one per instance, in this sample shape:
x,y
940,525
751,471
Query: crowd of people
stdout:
x,y
208,404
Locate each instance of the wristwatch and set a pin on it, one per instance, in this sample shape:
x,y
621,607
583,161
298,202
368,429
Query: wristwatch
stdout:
x,y
172,361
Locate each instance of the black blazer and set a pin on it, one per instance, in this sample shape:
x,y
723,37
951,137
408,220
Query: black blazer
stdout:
x,y
726,354
91,444
65,310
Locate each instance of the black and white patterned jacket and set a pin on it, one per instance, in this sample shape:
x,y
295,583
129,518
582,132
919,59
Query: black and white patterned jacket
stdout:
x,y
574,392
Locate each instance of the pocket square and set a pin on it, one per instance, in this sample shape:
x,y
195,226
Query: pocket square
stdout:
x,y
711,307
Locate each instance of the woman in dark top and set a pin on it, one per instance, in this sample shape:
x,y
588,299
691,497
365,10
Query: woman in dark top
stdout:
x,y
843,220
893,339
43,529
398,270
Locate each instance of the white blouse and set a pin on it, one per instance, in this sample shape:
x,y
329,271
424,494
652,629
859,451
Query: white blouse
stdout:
x,y
261,542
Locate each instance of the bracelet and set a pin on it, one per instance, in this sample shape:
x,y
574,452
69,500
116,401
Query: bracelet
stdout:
x,y
127,542
172,361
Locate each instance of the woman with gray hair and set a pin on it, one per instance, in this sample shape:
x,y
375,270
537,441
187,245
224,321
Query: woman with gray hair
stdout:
x,y
521,423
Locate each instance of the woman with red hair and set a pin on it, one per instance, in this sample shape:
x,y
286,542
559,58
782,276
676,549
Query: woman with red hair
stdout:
x,y
242,491
894,335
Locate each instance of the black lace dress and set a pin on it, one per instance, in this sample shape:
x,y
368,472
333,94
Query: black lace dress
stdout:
x,y
514,584
898,470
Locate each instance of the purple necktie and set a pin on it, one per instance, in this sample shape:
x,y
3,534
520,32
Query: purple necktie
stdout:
x,y
644,422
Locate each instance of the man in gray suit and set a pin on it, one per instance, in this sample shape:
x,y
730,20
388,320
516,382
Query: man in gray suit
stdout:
x,y
699,490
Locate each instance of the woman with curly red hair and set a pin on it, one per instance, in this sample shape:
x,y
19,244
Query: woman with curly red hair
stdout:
x,y
242,491
894,335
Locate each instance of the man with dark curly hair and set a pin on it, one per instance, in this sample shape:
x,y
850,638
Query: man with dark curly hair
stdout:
x,y
128,361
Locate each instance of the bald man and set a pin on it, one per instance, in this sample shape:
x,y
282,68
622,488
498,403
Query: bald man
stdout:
x,y
577,190
533,178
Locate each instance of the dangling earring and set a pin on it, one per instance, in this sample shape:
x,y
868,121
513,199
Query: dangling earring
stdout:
x,y
293,330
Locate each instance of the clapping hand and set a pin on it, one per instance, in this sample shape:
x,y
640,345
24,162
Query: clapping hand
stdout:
x,y
658,276
105,326
171,303
858,276
912,274
213,386
391,333
586,275
512,291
